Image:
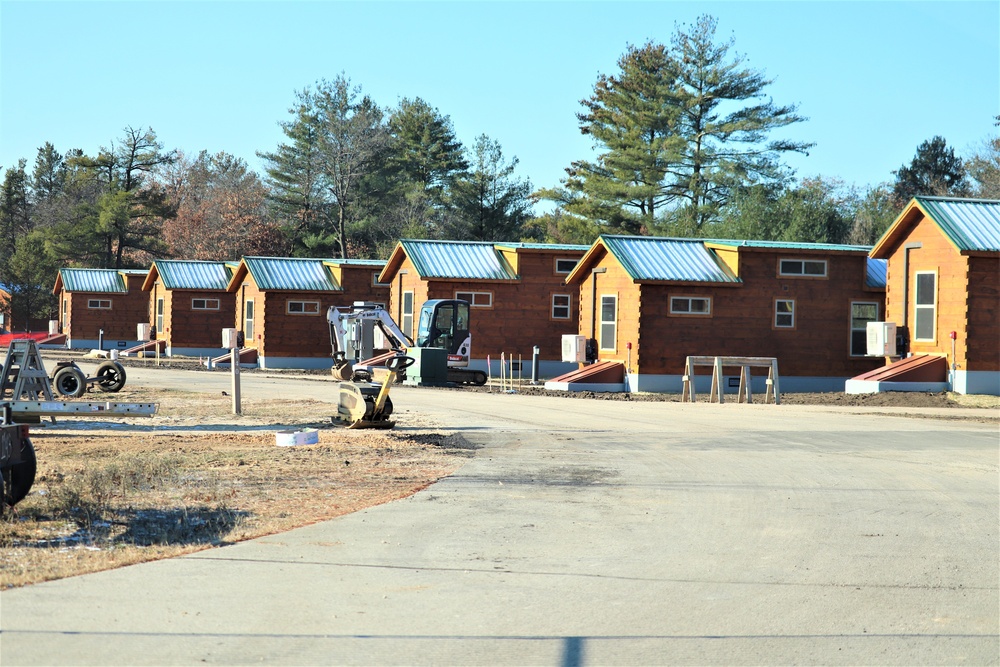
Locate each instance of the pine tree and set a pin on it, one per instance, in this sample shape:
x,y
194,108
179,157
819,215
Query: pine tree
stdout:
x,y
935,170
680,129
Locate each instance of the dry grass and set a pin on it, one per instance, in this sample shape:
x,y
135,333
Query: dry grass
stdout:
x,y
113,494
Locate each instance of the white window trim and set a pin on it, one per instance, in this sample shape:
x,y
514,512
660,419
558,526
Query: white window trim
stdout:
x,y
406,317
803,274
568,306
472,301
559,271
248,329
159,316
304,311
850,342
931,307
690,299
206,306
614,322
100,304
376,283
776,313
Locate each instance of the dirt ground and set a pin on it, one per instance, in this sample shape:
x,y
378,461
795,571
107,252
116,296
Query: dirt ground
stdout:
x,y
117,492
194,476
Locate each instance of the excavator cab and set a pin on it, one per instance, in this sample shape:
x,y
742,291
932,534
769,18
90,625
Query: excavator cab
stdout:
x,y
444,323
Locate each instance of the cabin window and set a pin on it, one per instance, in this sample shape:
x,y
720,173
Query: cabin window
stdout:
x,y
565,265
99,304
476,299
690,305
561,306
248,321
808,268
784,314
159,315
861,314
925,307
303,307
407,319
375,282
204,304
609,321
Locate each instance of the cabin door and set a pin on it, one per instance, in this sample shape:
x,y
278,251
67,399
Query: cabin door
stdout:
x,y
248,316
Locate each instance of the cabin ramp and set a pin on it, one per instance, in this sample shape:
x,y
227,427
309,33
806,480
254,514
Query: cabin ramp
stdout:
x,y
600,376
248,358
145,348
921,372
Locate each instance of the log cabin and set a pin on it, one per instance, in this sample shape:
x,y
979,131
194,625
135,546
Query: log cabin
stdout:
x,y
517,293
101,307
280,304
189,305
943,288
660,300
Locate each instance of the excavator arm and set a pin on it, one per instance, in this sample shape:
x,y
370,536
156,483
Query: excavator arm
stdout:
x,y
340,319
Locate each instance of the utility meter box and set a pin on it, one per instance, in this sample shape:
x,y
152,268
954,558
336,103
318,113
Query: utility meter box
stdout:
x,y
574,348
229,339
881,339
142,333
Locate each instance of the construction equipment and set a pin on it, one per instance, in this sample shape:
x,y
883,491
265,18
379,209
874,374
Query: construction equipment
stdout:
x,y
366,404
24,376
26,391
443,323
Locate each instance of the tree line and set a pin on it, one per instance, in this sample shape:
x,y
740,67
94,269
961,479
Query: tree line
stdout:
x,y
683,133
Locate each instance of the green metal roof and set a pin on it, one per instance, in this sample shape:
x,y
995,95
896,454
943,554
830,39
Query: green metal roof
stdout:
x,y
470,260
108,281
668,259
189,274
356,262
545,246
791,245
971,224
291,274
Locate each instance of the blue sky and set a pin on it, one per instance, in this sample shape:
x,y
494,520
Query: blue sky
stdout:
x,y
874,79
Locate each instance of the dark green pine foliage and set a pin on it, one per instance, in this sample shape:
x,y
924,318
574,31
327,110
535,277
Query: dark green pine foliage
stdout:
x,y
425,149
294,173
725,122
935,170
490,202
633,123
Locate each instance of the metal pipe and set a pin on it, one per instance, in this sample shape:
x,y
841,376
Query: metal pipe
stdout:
x,y
534,365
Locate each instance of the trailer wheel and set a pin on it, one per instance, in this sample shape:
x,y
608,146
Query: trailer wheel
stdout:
x,y
110,376
18,478
70,381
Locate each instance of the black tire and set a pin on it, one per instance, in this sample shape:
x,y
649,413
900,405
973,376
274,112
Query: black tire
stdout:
x,y
110,376
70,381
19,478
479,379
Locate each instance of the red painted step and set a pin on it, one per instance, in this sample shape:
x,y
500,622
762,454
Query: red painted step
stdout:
x,y
918,368
602,372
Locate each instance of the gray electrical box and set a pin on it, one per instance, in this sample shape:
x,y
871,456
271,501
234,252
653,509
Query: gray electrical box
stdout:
x,y
430,367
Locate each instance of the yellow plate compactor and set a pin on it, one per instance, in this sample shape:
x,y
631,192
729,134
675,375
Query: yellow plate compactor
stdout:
x,y
367,404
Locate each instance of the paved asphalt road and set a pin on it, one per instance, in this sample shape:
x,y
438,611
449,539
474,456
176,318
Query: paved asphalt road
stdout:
x,y
585,532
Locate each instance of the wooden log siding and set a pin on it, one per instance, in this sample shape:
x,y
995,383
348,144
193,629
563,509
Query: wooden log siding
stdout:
x,y
119,322
742,319
187,327
935,253
278,333
981,342
520,316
